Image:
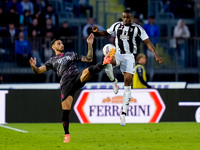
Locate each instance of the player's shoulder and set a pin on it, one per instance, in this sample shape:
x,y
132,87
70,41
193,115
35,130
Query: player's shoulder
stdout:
x,y
139,66
136,25
117,23
69,53
139,27
72,54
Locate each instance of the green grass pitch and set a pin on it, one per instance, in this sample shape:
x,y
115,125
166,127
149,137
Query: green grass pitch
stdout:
x,y
49,136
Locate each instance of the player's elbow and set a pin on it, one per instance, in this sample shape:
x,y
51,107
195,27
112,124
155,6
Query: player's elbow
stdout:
x,y
89,58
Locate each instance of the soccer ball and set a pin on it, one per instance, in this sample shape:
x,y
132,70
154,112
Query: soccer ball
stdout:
x,y
107,48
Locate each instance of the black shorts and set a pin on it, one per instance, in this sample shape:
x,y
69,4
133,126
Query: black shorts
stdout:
x,y
69,88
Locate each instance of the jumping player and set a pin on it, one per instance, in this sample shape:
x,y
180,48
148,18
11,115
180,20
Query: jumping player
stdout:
x,y
70,77
125,41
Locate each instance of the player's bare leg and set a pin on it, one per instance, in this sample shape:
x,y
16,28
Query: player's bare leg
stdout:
x,y
67,103
86,75
66,106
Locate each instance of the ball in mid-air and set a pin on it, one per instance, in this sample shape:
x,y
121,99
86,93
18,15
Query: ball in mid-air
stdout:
x,y
107,48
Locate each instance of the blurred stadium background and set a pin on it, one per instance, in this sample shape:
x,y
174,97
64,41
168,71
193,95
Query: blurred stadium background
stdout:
x,y
105,12
33,99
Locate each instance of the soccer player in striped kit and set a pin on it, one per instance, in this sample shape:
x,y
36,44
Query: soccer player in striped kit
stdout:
x,y
125,42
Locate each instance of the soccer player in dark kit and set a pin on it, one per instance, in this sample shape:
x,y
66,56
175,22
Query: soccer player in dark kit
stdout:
x,y
70,77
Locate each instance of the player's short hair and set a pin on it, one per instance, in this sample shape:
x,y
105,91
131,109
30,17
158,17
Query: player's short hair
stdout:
x,y
53,41
127,11
140,56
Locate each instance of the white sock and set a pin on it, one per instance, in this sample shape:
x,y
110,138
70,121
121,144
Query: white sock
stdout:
x,y
126,98
109,71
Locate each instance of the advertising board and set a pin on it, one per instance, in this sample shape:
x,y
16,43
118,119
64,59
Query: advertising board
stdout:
x,y
3,106
103,106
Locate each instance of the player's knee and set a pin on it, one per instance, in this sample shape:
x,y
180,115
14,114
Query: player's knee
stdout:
x,y
128,82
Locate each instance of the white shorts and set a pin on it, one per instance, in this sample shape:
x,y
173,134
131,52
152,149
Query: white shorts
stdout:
x,y
126,62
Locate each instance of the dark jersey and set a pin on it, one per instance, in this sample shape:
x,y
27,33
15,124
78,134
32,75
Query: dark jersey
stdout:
x,y
64,66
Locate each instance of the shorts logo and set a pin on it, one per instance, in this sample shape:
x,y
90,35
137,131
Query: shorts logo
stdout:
x,y
62,96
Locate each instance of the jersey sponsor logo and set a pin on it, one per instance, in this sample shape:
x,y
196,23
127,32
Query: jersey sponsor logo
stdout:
x,y
103,106
125,37
61,60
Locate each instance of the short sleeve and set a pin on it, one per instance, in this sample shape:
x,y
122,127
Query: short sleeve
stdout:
x,y
142,33
77,57
111,30
48,64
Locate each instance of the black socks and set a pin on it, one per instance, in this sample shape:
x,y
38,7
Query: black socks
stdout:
x,y
96,68
65,121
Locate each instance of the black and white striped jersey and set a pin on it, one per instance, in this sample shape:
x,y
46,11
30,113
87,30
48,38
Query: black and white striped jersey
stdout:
x,y
125,40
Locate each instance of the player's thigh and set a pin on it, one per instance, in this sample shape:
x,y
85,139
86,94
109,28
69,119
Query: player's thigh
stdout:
x,y
85,76
117,59
67,103
127,64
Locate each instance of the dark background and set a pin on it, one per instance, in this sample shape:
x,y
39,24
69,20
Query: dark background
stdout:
x,y
45,105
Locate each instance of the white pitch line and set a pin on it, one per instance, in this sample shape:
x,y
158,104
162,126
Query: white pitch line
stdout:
x,y
189,103
15,129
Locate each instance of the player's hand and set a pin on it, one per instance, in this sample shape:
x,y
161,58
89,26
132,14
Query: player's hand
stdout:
x,y
90,39
32,61
159,59
95,28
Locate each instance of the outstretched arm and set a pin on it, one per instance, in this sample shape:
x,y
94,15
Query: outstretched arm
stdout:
x,y
36,70
89,56
153,50
99,33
